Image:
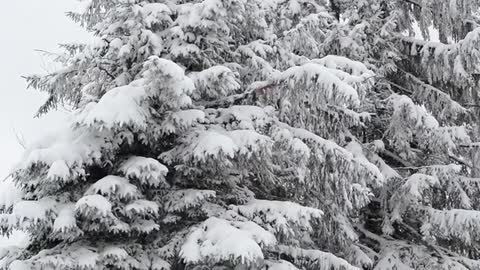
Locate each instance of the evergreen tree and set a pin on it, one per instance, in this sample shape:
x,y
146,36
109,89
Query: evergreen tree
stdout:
x,y
248,134
424,216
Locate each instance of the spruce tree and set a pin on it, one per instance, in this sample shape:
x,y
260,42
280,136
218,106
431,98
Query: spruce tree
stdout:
x,y
248,134
424,101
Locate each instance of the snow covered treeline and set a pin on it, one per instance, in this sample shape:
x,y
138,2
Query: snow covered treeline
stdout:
x,y
255,134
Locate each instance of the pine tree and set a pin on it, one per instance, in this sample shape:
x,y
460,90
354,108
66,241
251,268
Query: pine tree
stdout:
x,y
248,134
190,146
424,100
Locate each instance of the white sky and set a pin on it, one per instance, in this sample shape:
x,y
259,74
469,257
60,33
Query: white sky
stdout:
x,y
27,25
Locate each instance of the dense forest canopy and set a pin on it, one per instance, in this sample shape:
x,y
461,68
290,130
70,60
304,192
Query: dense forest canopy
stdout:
x,y
258,134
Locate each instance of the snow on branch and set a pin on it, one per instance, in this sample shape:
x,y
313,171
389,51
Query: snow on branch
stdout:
x,y
284,218
447,63
214,82
437,101
322,84
354,68
411,193
352,72
305,36
459,224
65,153
369,170
184,199
217,241
315,258
65,224
114,187
148,171
119,107
409,118
246,117
280,265
93,205
202,146
178,121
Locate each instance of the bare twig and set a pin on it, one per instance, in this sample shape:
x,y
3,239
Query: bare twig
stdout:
x,y
20,138
458,160
397,158
401,87
420,238
6,177
107,72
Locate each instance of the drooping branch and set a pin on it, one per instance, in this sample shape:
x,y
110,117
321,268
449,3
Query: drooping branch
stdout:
x,y
413,3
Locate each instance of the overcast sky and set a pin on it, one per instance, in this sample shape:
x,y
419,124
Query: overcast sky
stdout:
x,y
27,25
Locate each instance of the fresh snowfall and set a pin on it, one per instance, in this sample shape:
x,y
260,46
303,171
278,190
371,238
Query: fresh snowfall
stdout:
x,y
256,135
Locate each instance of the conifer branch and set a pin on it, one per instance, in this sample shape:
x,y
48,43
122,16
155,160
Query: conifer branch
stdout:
x,y
6,177
397,158
413,3
107,72
420,238
458,160
400,87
